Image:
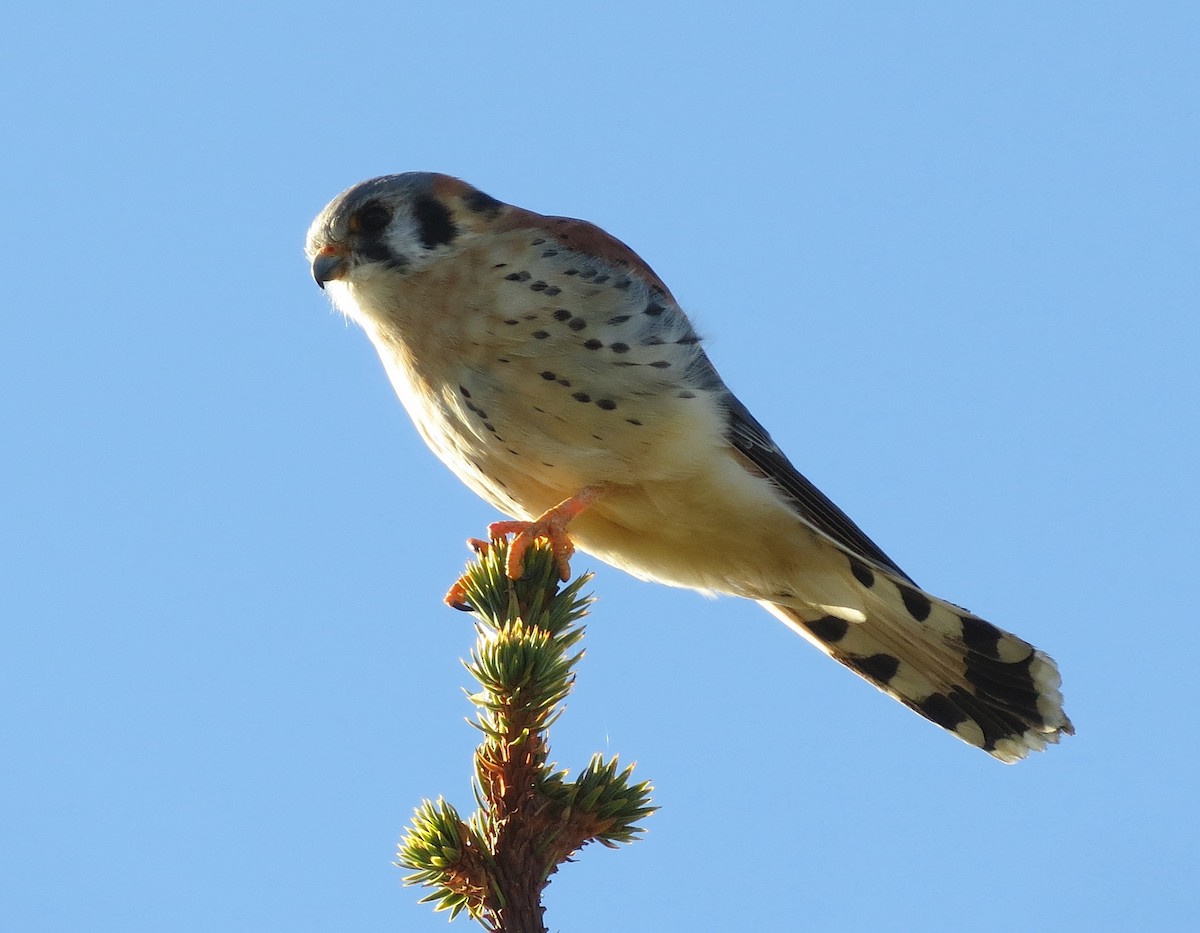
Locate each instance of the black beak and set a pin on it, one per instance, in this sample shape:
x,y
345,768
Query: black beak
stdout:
x,y
328,266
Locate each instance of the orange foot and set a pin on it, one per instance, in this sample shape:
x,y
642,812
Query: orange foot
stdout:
x,y
456,598
552,526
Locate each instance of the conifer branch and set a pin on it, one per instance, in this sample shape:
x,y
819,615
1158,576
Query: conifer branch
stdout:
x,y
531,817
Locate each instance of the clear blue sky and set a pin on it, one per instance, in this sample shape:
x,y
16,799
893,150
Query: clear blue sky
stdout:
x,y
948,253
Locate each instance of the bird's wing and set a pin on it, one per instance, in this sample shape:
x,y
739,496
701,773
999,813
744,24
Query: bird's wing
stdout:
x,y
752,440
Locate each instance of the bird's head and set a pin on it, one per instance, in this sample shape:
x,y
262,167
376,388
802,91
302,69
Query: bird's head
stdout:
x,y
397,223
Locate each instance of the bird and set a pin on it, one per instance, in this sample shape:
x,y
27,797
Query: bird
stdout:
x,y
548,366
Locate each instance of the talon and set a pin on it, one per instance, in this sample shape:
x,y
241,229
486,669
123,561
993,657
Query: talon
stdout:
x,y
550,526
456,596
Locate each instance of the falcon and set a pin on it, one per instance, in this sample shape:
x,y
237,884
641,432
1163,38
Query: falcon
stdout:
x,y
546,364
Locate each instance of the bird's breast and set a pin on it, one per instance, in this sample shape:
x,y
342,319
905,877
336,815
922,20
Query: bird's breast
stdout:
x,y
534,375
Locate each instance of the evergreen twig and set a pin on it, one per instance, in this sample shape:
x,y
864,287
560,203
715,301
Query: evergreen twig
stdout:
x,y
531,817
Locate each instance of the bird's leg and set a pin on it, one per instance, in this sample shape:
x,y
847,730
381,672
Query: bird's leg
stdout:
x,y
550,525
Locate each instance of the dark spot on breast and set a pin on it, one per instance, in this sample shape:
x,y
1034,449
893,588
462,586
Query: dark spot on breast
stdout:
x,y
538,242
500,265
571,272
619,347
618,319
565,382
491,427
686,393
548,376
538,286
916,603
622,284
652,341
660,364
552,291
511,320
606,403
600,278
540,335
593,344
830,629
577,324
518,277
562,314
581,396
862,573
634,421
463,390
587,273
654,309
689,338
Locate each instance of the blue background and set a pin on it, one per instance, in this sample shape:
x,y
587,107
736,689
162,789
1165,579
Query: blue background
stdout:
x,y
946,252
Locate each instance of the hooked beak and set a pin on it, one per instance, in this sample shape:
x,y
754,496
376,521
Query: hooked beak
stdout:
x,y
329,264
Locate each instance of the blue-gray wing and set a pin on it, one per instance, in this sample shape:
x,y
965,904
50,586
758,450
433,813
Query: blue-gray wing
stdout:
x,y
752,440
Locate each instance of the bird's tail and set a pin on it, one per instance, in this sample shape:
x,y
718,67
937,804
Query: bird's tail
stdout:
x,y
987,687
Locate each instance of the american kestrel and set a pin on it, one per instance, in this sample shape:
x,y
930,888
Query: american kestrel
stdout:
x,y
548,366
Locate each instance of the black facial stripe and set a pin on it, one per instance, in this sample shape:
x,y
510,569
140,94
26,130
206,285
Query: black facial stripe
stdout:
x,y
378,251
433,218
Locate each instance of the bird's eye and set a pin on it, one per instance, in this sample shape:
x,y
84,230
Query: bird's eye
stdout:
x,y
370,219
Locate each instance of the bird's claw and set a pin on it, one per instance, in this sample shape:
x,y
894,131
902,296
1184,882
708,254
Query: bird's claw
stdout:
x,y
551,527
456,596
